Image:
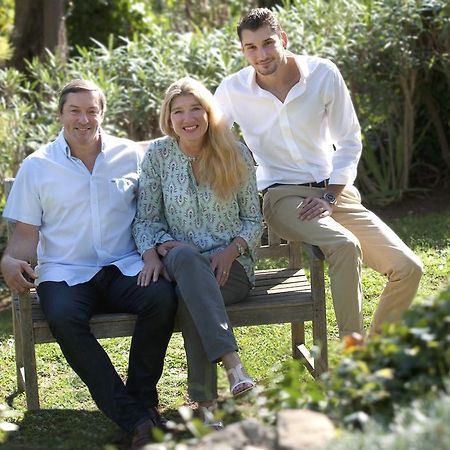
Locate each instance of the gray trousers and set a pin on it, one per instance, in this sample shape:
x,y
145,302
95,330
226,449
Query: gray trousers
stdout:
x,y
204,322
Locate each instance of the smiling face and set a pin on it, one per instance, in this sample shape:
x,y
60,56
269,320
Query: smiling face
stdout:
x,y
189,119
81,117
264,49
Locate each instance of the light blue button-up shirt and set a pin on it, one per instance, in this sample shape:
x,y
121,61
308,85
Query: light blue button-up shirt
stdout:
x,y
84,218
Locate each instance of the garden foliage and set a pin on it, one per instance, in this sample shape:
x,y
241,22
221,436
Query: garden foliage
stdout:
x,y
407,361
393,54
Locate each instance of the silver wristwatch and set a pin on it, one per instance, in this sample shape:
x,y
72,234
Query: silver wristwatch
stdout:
x,y
330,198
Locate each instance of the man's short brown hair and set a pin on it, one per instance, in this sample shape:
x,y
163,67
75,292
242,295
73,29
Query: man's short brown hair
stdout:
x,y
80,86
257,18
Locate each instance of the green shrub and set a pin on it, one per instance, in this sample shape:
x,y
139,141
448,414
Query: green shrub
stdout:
x,y
393,55
407,361
423,425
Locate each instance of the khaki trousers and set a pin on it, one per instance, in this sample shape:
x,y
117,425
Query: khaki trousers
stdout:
x,y
350,236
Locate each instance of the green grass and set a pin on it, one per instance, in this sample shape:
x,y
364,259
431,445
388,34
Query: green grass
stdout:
x,y
70,420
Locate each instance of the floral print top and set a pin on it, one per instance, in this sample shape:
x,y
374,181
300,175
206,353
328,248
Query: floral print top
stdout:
x,y
172,206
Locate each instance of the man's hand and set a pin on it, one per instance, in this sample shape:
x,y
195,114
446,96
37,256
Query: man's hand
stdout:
x,y
153,267
165,247
18,274
313,207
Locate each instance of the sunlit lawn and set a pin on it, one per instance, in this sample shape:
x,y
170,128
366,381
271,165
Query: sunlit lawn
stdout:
x,y
69,419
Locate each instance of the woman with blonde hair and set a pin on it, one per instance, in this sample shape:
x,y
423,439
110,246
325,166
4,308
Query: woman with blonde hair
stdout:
x,y
198,223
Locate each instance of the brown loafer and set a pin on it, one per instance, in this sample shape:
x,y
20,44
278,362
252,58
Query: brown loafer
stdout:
x,y
142,434
159,421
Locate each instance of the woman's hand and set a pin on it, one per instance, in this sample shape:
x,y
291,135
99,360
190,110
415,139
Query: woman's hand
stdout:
x,y
153,267
221,263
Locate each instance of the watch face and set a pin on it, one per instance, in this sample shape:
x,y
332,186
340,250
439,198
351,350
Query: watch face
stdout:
x,y
330,198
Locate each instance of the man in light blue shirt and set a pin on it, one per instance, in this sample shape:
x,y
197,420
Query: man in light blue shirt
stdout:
x,y
73,202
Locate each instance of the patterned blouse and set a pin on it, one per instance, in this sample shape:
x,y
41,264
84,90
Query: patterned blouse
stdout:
x,y
172,206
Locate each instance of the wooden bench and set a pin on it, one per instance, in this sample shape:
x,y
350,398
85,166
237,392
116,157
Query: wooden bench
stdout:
x,y
280,296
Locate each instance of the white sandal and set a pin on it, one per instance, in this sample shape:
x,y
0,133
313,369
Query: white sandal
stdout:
x,y
239,382
206,415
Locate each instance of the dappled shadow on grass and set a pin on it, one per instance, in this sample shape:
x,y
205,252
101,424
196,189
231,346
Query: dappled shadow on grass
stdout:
x,y
58,429
69,429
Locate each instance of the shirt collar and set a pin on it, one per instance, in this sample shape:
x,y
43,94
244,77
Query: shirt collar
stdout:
x,y
250,76
61,140
302,66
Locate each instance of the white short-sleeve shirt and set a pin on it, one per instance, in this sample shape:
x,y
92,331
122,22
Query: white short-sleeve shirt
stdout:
x,y
84,218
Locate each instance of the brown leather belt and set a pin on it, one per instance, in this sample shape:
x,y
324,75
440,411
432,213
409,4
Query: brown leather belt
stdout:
x,y
320,184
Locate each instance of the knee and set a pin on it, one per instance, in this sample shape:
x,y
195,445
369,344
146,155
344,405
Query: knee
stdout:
x,y
184,256
416,268
348,247
410,267
166,294
158,298
168,301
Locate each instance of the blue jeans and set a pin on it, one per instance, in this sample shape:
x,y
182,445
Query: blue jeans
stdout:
x,y
68,310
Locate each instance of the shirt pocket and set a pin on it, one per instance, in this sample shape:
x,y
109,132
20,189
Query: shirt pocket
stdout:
x,y
122,193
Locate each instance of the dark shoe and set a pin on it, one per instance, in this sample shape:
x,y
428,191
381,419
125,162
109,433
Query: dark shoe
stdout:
x,y
143,434
159,421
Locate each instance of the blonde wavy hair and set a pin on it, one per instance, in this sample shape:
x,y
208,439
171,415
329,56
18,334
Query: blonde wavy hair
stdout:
x,y
221,164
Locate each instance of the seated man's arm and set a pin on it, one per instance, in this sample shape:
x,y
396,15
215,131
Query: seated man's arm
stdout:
x,y
16,270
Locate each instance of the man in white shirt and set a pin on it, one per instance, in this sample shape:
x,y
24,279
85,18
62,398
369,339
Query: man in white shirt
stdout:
x,y
297,118
73,202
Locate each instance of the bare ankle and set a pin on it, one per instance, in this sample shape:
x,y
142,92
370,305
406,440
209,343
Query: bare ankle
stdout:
x,y
231,360
207,404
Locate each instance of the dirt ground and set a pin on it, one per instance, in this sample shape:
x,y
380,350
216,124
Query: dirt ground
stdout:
x,y
432,201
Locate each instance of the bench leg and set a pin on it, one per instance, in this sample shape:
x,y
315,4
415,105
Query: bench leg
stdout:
x,y
319,316
299,349
18,350
298,338
28,352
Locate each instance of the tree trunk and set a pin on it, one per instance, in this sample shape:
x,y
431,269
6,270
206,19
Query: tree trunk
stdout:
x,y
54,27
38,25
438,125
408,86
